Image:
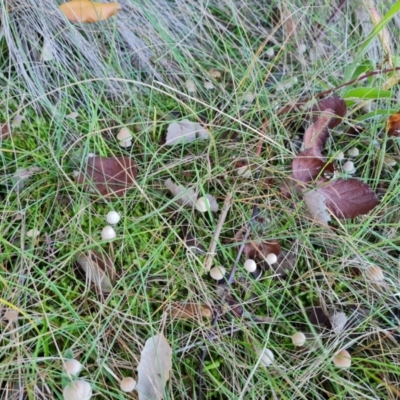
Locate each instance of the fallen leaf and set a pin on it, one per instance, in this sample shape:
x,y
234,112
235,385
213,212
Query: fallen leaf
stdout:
x,y
259,251
316,203
181,310
99,270
182,195
306,166
393,125
318,317
23,174
109,175
317,133
348,198
4,131
87,11
338,321
154,368
185,131
336,104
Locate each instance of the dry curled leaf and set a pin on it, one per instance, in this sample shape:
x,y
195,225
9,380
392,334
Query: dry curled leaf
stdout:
x,y
181,194
316,203
334,103
393,125
88,11
154,368
109,175
259,251
99,270
306,166
185,131
317,133
181,310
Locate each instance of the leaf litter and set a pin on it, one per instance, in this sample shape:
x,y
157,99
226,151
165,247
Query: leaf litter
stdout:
x,y
185,131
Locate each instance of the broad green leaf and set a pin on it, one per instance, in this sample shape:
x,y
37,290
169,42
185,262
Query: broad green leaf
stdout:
x,y
367,93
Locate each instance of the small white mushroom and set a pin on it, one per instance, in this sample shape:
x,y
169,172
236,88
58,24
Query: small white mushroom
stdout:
x,y
299,339
124,134
202,204
266,357
108,233
208,85
302,48
250,265
33,233
217,273
72,367
215,73
249,97
340,156
270,52
244,171
190,86
348,167
374,274
271,258
389,161
78,390
11,315
127,384
113,217
354,152
342,359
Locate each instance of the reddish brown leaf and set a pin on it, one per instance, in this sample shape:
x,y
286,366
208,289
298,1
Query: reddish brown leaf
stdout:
x,y
336,104
180,310
394,125
317,133
306,166
348,198
258,251
110,175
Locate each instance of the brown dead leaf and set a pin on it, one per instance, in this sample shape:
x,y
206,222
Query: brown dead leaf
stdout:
x,y
110,175
258,251
99,270
87,11
181,310
336,105
4,131
394,125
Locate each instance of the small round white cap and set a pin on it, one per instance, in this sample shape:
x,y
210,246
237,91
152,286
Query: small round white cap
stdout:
x,y
374,274
354,152
348,167
217,273
342,359
250,265
298,339
340,156
108,233
72,367
271,258
208,85
127,384
113,217
266,357
33,233
124,134
190,86
78,390
202,204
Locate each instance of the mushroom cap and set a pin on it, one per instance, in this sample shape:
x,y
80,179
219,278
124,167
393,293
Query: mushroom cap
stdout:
x,y
244,171
190,86
108,233
124,134
374,274
271,258
342,359
354,152
266,357
127,384
202,204
33,233
217,273
250,265
72,367
299,339
208,85
340,156
348,167
77,390
113,217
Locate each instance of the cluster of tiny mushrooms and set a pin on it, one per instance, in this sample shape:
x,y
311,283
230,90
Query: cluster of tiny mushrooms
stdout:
x,y
80,389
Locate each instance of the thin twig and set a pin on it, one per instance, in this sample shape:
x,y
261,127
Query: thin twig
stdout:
x,y
217,233
319,95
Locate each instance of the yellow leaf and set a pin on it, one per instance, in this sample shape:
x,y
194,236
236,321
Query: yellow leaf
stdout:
x,y
87,11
